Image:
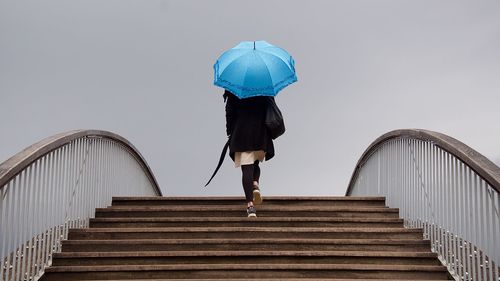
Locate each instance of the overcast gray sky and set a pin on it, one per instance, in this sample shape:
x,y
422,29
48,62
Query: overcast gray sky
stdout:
x,y
143,69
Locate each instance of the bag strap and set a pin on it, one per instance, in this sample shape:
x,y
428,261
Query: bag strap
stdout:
x,y
222,156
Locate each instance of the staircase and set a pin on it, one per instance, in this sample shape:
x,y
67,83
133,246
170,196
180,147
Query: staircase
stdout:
x,y
293,238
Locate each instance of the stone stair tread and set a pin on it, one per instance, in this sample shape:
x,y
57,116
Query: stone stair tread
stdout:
x,y
240,219
290,230
245,253
272,279
253,241
210,238
239,208
240,198
191,267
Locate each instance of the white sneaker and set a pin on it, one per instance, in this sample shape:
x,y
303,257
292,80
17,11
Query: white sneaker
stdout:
x,y
257,197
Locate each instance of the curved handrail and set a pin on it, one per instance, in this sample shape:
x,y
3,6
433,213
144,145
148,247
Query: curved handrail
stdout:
x,y
475,160
12,166
442,186
55,185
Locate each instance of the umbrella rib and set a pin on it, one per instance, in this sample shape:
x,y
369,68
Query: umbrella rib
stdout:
x,y
282,81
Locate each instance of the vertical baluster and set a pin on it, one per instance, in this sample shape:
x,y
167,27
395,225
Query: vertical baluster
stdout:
x,y
71,184
423,184
77,176
480,218
456,214
476,230
436,198
432,160
458,217
20,223
55,202
495,204
76,183
45,207
18,241
83,183
463,225
404,210
104,171
488,223
452,191
110,168
470,249
38,226
87,180
30,229
3,232
98,184
497,230
395,176
50,206
428,185
435,192
60,199
402,190
95,180
25,223
15,237
68,156
10,215
472,270
410,184
418,184
444,203
401,177
30,210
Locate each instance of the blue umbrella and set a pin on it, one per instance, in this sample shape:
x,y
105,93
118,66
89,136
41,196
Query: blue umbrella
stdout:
x,y
254,68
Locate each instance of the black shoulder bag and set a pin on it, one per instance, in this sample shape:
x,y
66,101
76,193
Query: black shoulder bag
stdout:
x,y
274,119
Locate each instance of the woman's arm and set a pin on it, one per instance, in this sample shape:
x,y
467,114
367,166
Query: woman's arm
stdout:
x,y
231,113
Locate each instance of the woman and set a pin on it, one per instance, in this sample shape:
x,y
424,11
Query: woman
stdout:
x,y
250,142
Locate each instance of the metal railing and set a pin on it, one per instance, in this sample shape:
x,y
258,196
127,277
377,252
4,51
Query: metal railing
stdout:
x,y
55,185
444,187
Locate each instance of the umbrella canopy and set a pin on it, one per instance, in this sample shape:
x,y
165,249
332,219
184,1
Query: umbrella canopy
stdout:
x,y
254,68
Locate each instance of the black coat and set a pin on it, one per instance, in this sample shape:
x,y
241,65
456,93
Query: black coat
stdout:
x,y
245,123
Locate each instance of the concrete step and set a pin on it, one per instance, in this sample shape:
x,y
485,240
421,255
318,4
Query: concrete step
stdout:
x,y
269,200
243,233
293,238
240,244
223,271
240,211
270,279
243,221
242,257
